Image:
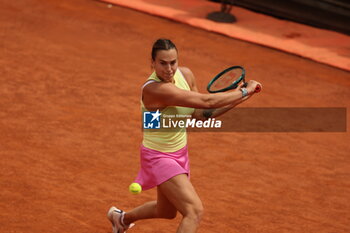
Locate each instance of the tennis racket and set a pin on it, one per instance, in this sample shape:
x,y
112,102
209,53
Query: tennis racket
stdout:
x,y
229,79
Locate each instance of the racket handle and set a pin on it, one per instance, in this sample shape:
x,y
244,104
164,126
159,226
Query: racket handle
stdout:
x,y
257,89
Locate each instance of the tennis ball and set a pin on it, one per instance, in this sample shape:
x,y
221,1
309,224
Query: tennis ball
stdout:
x,y
135,188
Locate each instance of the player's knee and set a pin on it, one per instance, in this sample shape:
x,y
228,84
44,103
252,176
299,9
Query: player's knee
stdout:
x,y
199,213
195,213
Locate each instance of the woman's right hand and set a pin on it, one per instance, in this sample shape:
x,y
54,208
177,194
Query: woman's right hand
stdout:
x,y
253,86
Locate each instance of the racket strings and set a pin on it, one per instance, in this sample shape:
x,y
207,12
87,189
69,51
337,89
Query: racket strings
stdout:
x,y
226,79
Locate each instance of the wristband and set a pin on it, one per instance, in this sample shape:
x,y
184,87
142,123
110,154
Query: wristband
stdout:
x,y
244,92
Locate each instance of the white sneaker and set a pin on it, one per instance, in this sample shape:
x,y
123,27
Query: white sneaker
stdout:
x,y
116,217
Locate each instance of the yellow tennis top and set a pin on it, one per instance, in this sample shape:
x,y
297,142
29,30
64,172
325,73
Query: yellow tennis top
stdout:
x,y
167,140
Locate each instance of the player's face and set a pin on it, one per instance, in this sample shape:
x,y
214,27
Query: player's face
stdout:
x,y
165,64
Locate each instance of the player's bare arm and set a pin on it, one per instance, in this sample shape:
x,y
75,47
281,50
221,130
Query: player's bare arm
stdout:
x,y
201,113
160,95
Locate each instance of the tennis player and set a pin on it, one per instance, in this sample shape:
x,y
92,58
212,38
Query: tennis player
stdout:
x,y
164,155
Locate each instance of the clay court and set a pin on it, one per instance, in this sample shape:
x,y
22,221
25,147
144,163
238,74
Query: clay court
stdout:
x,y
70,126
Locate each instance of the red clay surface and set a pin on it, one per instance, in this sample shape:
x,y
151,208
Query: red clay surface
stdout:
x,y
70,77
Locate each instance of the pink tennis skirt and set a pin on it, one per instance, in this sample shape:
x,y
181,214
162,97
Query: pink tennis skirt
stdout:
x,y
158,167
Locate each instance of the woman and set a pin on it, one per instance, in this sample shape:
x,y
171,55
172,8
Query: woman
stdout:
x,y
164,156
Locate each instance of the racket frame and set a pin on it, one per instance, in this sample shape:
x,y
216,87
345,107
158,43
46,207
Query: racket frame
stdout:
x,y
234,85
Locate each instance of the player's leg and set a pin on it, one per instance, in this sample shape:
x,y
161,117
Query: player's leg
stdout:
x,y
165,209
145,211
180,192
162,208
